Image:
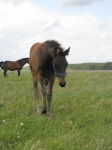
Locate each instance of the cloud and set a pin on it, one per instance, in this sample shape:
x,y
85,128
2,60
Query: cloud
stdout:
x,y
15,2
78,2
53,25
88,37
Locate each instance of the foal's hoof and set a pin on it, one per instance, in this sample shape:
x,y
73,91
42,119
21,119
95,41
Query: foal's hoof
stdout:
x,y
44,112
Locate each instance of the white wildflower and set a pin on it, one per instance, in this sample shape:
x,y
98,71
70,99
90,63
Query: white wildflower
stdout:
x,y
3,121
71,122
22,124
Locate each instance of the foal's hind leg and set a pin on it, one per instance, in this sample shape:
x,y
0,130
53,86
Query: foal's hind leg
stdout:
x,y
49,95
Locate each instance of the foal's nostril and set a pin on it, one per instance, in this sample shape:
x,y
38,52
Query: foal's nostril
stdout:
x,y
62,84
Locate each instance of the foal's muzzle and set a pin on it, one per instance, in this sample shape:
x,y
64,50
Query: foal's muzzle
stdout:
x,y
62,84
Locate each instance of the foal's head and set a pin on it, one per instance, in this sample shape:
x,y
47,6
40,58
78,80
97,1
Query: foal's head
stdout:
x,y
60,64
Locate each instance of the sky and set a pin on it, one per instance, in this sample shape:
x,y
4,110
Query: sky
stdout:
x,y
83,25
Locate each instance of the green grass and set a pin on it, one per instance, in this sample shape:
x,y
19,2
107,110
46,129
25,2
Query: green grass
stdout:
x,y
81,113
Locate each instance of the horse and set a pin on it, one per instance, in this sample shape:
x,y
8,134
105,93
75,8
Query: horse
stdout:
x,y
47,60
14,65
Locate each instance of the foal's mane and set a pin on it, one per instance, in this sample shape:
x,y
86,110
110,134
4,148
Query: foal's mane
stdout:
x,y
54,44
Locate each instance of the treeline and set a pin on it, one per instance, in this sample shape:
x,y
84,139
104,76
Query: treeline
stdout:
x,y
91,66
86,66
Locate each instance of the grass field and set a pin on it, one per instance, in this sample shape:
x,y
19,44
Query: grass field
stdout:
x,y
81,113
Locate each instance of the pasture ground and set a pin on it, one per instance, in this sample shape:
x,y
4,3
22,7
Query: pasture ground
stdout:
x,y
81,113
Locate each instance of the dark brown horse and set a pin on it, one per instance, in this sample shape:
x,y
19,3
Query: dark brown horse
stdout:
x,y
14,65
47,60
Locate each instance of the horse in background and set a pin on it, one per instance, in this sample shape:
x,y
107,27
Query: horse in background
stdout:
x,y
47,60
13,65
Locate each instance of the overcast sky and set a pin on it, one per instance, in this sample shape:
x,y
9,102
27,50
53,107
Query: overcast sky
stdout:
x,y
83,25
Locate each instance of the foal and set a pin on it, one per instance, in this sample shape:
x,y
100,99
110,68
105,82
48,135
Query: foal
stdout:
x,y
47,60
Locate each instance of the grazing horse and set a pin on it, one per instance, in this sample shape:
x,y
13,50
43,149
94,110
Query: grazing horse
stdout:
x,y
47,60
14,65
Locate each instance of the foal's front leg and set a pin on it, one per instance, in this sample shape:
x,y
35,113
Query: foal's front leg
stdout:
x,y
49,95
44,93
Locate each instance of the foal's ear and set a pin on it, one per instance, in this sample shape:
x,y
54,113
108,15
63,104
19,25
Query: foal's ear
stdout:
x,y
56,51
66,52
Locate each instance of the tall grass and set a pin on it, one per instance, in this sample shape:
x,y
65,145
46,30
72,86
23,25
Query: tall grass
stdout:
x,y
81,113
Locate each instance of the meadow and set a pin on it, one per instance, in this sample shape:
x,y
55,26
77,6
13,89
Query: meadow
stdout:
x,y
81,113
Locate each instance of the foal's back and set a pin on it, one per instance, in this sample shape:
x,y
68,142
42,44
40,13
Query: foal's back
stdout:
x,y
33,57
38,56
